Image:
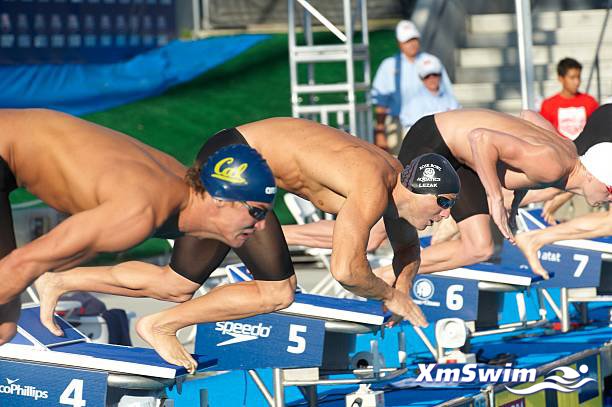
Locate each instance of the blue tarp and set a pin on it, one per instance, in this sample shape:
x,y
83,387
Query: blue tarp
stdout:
x,y
87,88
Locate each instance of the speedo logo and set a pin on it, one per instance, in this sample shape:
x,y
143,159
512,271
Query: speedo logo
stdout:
x,y
229,173
15,389
241,332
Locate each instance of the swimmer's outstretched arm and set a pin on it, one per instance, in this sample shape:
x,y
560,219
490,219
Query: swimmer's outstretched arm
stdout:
x,y
349,264
404,240
596,224
107,228
320,234
539,163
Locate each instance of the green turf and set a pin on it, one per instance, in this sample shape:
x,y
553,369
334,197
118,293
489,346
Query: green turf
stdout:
x,y
250,87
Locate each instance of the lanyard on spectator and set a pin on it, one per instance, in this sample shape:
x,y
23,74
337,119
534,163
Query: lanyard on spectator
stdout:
x,y
398,71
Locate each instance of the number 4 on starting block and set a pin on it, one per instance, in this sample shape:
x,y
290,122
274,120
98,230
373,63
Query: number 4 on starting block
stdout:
x,y
29,384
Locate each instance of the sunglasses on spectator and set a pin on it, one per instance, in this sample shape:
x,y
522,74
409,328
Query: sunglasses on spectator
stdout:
x,y
444,202
432,74
256,212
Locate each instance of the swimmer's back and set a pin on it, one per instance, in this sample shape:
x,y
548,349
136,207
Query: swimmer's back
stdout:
x,y
74,165
301,151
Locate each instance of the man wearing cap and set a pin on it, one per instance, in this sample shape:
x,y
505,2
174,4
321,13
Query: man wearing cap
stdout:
x,y
340,174
430,98
491,151
397,83
120,192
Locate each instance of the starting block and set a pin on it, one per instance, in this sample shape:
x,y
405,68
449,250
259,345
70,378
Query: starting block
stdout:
x,y
304,343
583,268
72,371
466,301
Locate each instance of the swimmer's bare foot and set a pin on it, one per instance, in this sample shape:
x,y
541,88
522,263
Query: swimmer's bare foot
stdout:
x,y
49,287
165,342
528,245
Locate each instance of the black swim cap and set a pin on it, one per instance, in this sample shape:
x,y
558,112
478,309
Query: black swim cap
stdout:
x,y
430,174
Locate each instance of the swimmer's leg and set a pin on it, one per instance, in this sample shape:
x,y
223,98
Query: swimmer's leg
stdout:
x,y
233,301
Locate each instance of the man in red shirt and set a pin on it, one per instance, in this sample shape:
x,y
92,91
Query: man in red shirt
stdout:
x,y
569,109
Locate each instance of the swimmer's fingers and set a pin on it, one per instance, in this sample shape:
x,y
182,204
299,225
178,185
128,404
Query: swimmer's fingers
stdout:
x,y
500,217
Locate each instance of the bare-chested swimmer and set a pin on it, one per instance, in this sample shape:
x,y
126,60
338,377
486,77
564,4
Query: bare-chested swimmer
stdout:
x,y
594,145
340,174
120,192
491,150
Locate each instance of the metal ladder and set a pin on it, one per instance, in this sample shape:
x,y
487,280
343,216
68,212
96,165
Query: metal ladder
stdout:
x,y
346,104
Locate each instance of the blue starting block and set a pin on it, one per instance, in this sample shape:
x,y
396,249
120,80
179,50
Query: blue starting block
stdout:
x,y
72,371
583,268
303,343
316,334
468,298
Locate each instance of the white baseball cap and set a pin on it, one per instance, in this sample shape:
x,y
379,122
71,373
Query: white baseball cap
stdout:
x,y
427,65
598,161
406,30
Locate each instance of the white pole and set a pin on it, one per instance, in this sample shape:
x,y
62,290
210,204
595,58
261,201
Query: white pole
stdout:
x,y
525,45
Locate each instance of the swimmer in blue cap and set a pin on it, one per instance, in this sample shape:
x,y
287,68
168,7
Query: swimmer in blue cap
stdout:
x,y
338,173
119,192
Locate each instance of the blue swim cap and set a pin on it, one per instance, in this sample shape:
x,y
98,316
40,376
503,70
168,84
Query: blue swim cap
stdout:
x,y
238,173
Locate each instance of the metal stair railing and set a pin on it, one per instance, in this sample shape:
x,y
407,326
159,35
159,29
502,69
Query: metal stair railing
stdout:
x,y
353,114
595,65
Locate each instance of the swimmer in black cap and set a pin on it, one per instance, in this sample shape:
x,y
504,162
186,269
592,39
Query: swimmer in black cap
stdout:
x,y
491,151
340,174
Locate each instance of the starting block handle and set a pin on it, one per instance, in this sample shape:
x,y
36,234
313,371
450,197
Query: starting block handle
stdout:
x,y
375,357
401,352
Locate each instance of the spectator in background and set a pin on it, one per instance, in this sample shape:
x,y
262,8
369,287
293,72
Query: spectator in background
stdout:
x,y
430,98
396,83
569,109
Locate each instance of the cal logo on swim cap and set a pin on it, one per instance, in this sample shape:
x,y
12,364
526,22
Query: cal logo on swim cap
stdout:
x,y
225,171
430,174
238,172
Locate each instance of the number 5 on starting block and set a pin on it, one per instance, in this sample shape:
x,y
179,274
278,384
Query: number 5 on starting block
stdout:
x,y
262,341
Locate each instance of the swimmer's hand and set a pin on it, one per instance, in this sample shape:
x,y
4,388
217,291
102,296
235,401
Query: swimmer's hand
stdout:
x,y
529,246
500,217
548,211
403,308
